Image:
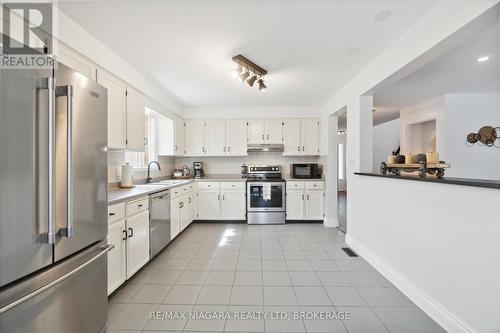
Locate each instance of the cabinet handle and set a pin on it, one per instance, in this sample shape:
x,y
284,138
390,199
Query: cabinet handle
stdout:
x,y
176,147
189,200
308,197
130,232
218,197
298,148
224,148
229,149
140,205
223,197
263,137
302,197
302,148
124,234
111,214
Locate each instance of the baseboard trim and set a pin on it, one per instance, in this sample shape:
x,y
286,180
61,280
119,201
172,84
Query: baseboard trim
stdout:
x,y
437,312
331,223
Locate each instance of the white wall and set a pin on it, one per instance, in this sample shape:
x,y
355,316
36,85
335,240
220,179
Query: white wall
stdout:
x,y
466,113
385,140
394,237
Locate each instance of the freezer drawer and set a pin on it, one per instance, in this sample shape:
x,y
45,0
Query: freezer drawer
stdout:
x,y
69,297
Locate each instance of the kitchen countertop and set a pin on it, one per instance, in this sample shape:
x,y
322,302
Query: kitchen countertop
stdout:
x,y
290,179
116,194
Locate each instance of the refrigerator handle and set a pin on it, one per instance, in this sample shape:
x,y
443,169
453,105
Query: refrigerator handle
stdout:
x,y
67,91
49,84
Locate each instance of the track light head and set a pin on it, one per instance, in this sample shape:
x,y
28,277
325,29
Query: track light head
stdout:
x,y
252,80
244,76
236,72
262,86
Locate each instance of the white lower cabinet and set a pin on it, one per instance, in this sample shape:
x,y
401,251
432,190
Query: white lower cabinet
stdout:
x,y
128,231
305,201
137,242
233,205
208,204
117,258
221,201
181,208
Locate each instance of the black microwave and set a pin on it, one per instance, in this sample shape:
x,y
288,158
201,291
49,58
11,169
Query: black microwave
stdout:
x,y
305,171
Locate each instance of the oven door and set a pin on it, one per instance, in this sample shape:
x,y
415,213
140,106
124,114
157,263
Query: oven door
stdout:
x,y
265,196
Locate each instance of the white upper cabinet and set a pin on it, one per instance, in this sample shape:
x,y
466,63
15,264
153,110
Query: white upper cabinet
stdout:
x,y
292,137
215,138
117,100
136,118
236,137
265,131
179,136
310,137
274,131
256,131
76,61
195,137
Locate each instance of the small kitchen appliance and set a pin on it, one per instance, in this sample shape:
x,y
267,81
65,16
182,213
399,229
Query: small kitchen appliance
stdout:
x,y
266,192
198,170
305,171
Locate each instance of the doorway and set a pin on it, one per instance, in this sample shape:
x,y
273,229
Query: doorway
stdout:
x,y
341,171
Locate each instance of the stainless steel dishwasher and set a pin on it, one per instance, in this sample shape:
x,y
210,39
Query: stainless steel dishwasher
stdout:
x,y
159,222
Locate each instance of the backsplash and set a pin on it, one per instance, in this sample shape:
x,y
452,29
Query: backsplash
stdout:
x,y
116,159
232,165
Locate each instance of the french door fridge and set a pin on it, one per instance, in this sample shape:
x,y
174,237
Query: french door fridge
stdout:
x,y
53,201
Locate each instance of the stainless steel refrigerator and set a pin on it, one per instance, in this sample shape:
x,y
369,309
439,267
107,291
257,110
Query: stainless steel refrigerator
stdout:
x,y
53,201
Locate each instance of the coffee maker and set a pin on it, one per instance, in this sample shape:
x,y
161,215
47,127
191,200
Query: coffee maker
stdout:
x,y
198,170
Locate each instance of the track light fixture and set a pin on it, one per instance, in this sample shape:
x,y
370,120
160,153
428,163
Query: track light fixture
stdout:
x,y
249,72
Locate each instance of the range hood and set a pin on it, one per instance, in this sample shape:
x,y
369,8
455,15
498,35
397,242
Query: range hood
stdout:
x,y
263,147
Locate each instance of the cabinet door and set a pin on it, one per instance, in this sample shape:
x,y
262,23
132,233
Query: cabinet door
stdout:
x,y
117,257
236,138
256,129
137,242
195,137
116,108
295,204
233,205
274,131
136,118
209,205
215,135
179,136
184,213
291,137
76,61
314,205
175,217
194,195
310,137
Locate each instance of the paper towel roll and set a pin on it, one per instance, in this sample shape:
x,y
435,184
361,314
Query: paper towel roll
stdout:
x,y
127,177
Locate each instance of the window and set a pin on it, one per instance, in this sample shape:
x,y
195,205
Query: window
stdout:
x,y
141,159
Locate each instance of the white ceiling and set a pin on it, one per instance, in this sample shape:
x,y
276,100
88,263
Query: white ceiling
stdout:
x,y
310,48
456,71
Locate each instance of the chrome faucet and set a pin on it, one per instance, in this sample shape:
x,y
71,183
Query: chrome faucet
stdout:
x,y
148,179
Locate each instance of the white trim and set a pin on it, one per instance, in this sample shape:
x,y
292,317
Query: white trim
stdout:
x,y
331,223
435,310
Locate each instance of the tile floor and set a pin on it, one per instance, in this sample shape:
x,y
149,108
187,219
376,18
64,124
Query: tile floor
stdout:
x,y
238,268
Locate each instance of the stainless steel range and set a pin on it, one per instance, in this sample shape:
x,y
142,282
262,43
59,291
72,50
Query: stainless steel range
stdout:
x,y
265,195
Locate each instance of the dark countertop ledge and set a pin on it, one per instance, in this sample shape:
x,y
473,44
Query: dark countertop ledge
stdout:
x,y
446,180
